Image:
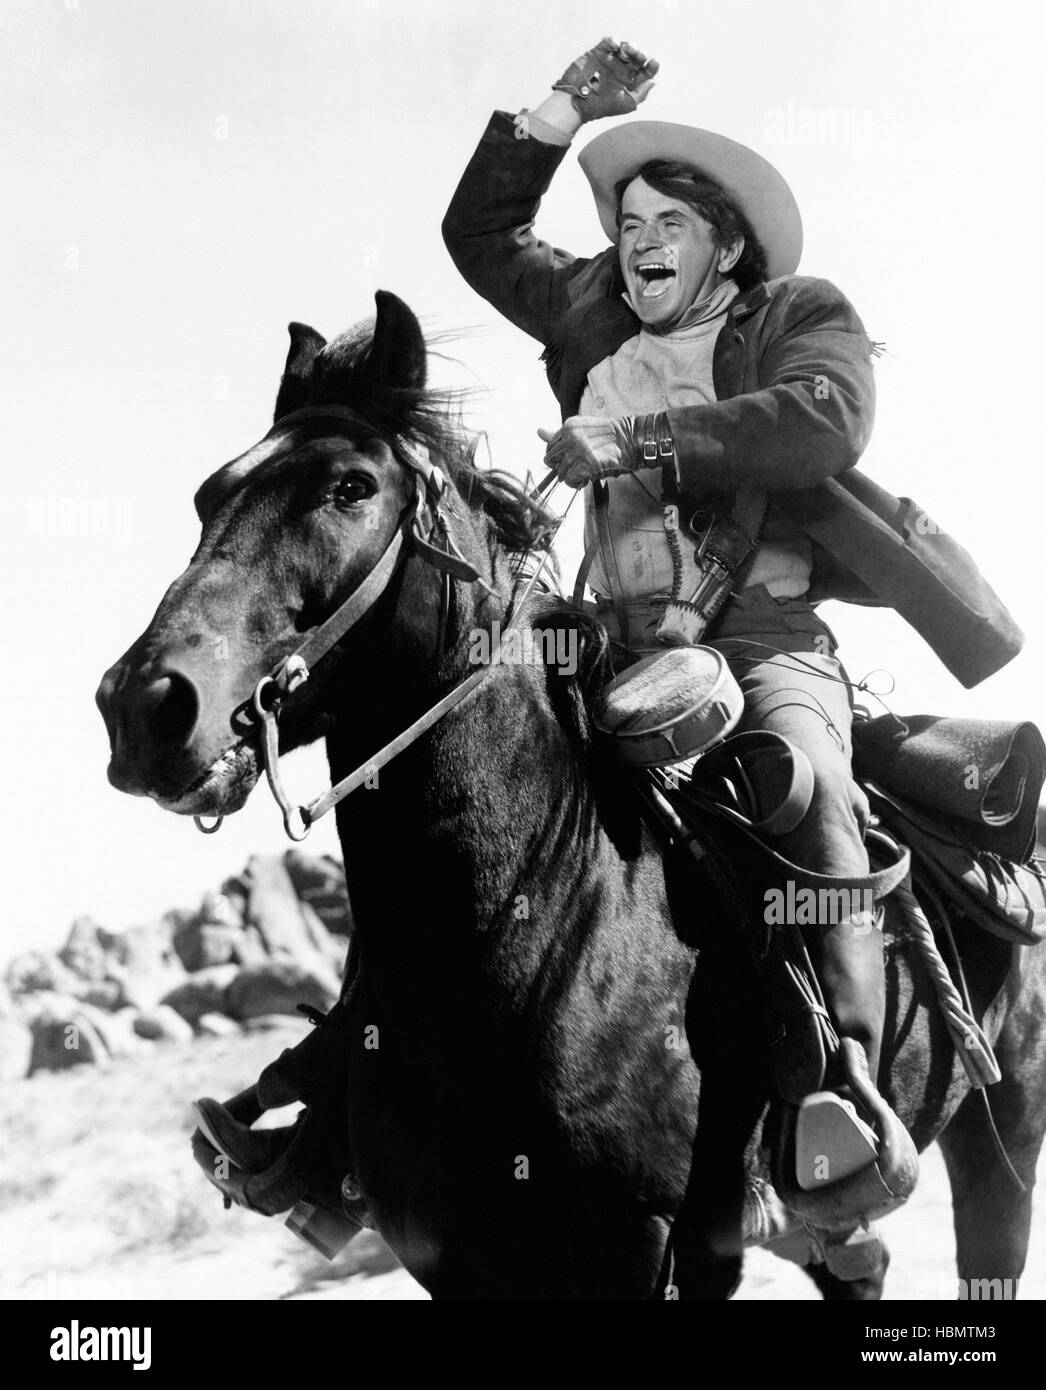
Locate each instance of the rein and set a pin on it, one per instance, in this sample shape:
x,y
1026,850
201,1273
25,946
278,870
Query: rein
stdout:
x,y
294,670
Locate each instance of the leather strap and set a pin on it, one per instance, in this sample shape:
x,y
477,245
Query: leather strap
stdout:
x,y
592,550
605,545
880,883
359,602
330,798
728,760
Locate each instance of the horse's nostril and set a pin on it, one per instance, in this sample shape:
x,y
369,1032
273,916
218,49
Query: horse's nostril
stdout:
x,y
171,706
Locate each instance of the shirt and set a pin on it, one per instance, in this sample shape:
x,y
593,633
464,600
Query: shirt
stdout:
x,y
651,372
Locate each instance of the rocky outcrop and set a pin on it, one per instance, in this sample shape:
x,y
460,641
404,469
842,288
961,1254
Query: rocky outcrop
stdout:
x,y
203,992
278,987
146,962
320,882
270,938
163,1024
85,952
33,972
66,1032
215,935
274,911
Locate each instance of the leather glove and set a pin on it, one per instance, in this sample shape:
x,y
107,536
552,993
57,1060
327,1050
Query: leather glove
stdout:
x,y
590,448
609,80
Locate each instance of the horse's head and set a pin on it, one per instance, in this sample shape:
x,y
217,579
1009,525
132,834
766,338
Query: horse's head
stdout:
x,y
338,491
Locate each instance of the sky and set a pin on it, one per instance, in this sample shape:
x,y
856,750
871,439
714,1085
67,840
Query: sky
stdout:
x,y
183,179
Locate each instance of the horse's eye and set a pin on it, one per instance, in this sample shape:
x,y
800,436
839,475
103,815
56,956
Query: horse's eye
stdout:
x,y
357,487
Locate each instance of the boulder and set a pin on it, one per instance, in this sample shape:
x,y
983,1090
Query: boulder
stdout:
x,y
149,947
32,972
274,912
117,1030
85,952
146,962
214,934
216,1026
83,968
320,882
278,987
202,992
236,892
251,949
100,994
334,949
162,1024
65,1033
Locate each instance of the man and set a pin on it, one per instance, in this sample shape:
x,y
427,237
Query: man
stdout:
x,y
692,365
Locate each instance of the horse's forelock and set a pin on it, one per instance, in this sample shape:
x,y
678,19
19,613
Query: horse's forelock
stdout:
x,y
352,370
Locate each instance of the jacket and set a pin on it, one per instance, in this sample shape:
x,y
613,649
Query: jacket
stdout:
x,y
795,403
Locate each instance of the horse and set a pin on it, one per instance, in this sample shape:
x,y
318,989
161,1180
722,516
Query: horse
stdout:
x,y
555,1047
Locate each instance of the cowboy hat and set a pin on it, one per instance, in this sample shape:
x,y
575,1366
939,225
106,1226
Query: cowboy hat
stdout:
x,y
753,182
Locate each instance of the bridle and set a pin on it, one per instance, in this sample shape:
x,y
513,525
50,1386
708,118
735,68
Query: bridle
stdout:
x,y
423,530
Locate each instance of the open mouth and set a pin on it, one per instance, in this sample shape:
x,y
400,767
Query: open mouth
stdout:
x,y
654,278
220,790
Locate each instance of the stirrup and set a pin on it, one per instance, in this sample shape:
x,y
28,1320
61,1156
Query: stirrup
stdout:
x,y
878,1187
832,1142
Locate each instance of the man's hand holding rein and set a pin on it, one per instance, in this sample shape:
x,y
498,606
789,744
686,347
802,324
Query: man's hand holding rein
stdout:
x,y
589,448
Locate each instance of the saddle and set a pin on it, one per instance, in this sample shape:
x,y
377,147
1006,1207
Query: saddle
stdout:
x,y
928,862
972,838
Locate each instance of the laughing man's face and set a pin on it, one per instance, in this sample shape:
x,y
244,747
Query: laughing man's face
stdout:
x,y
668,254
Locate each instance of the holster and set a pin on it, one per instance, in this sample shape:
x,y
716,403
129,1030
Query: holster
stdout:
x,y
726,546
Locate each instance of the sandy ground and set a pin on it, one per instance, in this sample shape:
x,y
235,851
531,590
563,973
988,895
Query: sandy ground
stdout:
x,y
100,1199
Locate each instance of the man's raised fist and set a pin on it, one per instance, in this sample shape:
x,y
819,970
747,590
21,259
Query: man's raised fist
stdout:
x,y
609,80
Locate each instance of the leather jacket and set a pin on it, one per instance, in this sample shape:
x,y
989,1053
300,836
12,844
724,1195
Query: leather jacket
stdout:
x,y
792,371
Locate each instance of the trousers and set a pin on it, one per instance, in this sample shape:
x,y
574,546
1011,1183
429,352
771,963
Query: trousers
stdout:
x,y
783,657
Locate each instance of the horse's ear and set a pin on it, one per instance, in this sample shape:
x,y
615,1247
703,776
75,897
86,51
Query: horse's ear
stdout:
x,y
378,367
398,357
295,385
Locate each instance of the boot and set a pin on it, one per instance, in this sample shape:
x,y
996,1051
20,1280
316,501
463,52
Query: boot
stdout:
x,y
270,1172
301,1167
853,1157
250,1150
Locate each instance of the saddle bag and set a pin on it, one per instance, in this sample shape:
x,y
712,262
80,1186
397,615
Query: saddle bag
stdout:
x,y
1004,897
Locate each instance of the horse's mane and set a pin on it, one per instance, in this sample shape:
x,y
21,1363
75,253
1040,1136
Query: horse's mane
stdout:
x,y
431,417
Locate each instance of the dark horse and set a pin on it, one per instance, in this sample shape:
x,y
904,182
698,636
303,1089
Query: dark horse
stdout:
x,y
537,983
